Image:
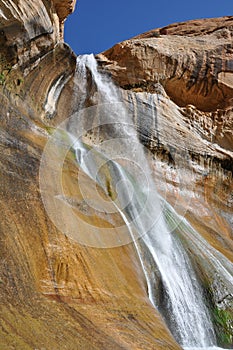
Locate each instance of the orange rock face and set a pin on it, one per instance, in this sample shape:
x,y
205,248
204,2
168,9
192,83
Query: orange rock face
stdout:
x,y
189,64
56,293
64,8
193,61
178,83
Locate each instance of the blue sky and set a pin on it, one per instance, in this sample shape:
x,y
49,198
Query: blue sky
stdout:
x,y
97,25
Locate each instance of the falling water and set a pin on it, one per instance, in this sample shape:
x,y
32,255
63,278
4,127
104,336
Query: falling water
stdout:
x,y
182,303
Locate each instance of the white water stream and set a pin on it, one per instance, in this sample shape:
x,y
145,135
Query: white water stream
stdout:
x,y
183,305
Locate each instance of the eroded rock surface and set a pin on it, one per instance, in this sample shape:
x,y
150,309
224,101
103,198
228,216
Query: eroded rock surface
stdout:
x,y
178,83
189,64
54,292
193,61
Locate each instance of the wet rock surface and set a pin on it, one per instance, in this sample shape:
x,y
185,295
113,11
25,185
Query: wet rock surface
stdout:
x,y
54,292
189,64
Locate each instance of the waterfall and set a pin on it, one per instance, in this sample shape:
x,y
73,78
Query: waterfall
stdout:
x,y
116,145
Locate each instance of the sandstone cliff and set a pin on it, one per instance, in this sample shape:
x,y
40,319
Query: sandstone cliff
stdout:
x,y
190,66
54,292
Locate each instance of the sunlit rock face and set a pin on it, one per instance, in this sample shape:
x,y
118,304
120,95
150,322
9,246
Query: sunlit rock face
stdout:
x,y
53,290
180,77
56,293
64,8
192,60
178,83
